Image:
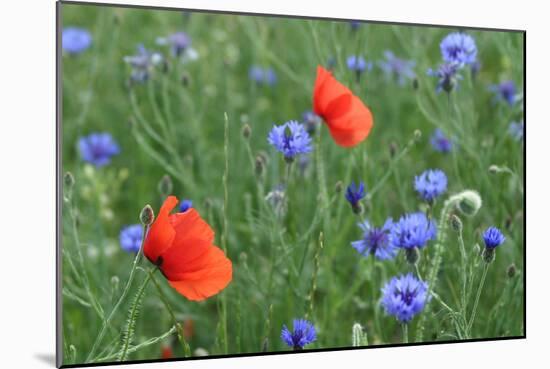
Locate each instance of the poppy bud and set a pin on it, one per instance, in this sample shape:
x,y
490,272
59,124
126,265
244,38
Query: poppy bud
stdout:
x,y
511,271
393,149
493,169
185,79
412,255
456,223
417,135
68,180
415,84
259,166
339,186
469,203
165,185
147,215
246,131
488,255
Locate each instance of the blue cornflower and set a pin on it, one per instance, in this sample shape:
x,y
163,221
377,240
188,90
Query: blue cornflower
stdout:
x,y
302,334
98,148
354,25
516,130
376,241
290,138
404,297
440,142
505,91
397,68
185,205
311,120
448,76
262,76
75,40
358,64
180,46
130,237
493,237
430,184
354,194
458,48
413,230
142,63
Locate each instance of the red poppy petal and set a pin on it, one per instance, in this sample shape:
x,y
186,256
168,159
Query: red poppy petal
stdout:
x,y
189,224
326,89
201,284
185,256
162,233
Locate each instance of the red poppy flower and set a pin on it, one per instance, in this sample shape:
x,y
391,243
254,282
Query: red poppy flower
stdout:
x,y
181,245
347,118
166,352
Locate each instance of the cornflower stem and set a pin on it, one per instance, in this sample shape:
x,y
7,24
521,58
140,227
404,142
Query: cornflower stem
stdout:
x,y
225,227
122,297
405,329
392,165
479,289
177,325
463,259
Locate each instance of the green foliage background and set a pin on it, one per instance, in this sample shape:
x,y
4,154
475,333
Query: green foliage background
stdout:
x,y
274,259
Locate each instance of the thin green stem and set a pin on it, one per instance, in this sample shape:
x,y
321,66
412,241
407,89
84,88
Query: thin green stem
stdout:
x,y
480,288
405,328
125,291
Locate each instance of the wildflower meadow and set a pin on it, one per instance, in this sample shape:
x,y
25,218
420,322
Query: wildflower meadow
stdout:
x,y
238,184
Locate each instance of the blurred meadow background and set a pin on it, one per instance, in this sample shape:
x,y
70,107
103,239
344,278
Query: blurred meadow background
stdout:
x,y
158,113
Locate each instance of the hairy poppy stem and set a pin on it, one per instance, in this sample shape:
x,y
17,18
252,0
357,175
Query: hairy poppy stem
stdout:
x,y
480,288
125,291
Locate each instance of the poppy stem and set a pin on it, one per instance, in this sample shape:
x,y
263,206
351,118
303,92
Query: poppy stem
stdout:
x,y
125,291
179,329
480,288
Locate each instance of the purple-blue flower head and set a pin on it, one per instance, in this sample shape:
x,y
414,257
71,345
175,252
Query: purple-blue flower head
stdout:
x,y
262,76
354,193
458,48
303,334
290,138
430,184
185,205
98,148
397,68
516,130
354,25
75,40
404,297
358,64
142,63
376,241
505,91
448,76
311,121
130,237
179,42
493,237
440,142
413,230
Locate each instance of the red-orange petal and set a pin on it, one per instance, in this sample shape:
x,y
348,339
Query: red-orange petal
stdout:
x,y
214,275
348,119
162,233
189,224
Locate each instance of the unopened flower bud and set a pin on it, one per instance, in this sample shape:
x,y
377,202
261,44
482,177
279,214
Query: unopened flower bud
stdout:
x,y
68,180
511,271
339,187
469,203
165,186
456,223
412,255
493,169
393,149
417,135
488,255
415,84
147,215
259,166
357,208
246,131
